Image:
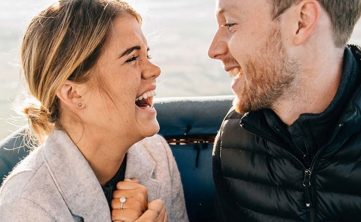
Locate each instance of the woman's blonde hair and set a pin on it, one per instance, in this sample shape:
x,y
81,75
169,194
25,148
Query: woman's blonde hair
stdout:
x,y
63,43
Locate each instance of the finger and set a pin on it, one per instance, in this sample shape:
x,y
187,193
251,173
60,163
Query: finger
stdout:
x,y
148,216
134,199
154,208
134,180
131,203
162,214
128,185
140,196
165,218
156,205
126,193
125,215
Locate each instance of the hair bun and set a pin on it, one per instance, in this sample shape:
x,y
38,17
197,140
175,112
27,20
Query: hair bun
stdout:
x,y
33,112
38,119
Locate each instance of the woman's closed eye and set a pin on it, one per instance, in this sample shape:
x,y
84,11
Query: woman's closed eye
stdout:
x,y
134,58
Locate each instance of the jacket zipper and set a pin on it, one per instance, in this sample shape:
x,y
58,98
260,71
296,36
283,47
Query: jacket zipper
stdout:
x,y
307,186
308,174
307,171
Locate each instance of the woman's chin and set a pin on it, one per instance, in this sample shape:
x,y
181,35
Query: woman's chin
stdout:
x,y
154,129
149,129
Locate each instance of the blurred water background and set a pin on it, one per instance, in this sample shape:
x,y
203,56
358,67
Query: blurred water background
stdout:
x,y
178,33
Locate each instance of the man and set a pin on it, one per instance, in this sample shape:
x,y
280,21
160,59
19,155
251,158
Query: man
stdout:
x,y
291,150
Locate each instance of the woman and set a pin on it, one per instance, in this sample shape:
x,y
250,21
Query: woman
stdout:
x,y
87,64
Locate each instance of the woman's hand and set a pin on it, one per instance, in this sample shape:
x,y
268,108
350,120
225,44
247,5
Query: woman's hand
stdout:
x,y
134,205
156,212
135,201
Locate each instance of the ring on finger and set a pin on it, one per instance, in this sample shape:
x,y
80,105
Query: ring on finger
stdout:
x,y
122,201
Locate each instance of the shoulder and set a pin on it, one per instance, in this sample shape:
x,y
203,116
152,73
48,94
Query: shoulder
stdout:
x,y
23,210
21,176
29,180
232,114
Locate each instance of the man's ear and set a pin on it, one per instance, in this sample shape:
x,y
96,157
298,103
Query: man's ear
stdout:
x,y
308,18
70,94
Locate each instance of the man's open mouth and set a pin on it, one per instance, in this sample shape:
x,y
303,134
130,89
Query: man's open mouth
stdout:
x,y
146,99
234,72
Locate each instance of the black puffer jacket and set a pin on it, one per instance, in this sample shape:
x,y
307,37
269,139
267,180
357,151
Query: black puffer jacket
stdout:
x,y
258,179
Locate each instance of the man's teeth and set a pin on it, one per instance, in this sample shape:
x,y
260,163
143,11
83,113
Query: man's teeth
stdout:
x,y
146,95
235,72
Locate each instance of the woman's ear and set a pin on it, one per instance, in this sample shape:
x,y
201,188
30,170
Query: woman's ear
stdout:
x,y
308,17
70,94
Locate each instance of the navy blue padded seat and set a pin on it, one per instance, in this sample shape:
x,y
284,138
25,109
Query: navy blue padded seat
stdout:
x,y
12,149
190,125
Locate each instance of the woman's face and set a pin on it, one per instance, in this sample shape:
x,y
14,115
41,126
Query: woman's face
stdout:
x,y
119,98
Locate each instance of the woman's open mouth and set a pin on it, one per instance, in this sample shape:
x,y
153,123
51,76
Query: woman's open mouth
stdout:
x,y
145,100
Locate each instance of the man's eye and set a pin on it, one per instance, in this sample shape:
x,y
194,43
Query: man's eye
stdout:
x,y
229,25
132,59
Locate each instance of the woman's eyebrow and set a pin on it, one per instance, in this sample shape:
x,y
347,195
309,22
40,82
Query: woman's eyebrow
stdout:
x,y
130,50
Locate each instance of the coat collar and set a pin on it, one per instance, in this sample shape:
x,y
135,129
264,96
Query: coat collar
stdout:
x,y
75,179
141,165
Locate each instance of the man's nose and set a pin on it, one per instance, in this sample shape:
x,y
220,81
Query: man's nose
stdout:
x,y
218,47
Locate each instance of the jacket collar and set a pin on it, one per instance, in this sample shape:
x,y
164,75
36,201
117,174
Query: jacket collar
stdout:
x,y
356,101
141,165
75,179
349,121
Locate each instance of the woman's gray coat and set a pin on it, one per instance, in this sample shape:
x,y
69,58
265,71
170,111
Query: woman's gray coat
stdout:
x,y
56,183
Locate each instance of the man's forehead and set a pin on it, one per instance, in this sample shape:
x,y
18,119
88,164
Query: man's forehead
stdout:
x,y
227,6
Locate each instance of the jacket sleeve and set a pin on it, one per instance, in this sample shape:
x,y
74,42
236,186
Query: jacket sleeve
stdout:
x,y
178,212
23,210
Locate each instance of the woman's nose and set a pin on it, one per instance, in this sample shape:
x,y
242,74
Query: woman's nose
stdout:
x,y
152,71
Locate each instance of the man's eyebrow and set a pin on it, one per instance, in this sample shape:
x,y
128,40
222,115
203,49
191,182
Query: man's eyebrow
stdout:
x,y
220,11
130,50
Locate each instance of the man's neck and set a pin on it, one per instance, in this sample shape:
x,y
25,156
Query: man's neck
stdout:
x,y
314,88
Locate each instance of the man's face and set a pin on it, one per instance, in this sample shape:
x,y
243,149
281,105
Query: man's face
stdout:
x,y
248,42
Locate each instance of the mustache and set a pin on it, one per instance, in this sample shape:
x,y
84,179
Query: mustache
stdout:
x,y
230,61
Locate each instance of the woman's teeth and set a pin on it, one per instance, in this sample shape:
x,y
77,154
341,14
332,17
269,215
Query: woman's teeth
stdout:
x,y
146,95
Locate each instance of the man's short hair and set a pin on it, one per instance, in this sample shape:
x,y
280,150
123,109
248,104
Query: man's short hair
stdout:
x,y
343,15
